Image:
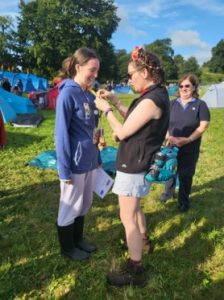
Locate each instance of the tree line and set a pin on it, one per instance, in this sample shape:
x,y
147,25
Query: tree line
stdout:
x,y
48,31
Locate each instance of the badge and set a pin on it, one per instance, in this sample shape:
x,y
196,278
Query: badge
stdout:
x,y
87,110
96,135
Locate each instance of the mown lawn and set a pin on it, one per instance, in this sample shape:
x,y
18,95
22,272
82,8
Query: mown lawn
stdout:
x,y
188,261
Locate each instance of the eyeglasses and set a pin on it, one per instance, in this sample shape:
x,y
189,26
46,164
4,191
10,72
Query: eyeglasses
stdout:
x,y
186,86
130,75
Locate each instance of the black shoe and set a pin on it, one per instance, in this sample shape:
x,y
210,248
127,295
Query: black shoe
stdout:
x,y
86,246
75,254
129,274
164,197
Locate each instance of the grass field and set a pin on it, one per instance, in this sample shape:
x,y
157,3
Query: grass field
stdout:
x,y
188,261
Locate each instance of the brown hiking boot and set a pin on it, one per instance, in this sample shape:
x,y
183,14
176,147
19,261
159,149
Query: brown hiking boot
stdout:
x,y
128,274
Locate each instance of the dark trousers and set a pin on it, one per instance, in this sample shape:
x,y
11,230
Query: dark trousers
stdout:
x,y
185,170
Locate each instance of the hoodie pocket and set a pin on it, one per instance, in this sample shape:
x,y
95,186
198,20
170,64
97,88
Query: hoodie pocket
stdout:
x,y
85,155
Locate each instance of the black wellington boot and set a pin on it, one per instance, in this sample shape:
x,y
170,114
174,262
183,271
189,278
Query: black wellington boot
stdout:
x,y
66,240
78,236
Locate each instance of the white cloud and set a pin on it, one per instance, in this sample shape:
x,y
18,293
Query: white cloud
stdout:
x,y
201,55
187,38
153,9
124,24
191,40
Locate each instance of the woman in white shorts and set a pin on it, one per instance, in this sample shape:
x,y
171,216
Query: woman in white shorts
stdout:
x,y
140,136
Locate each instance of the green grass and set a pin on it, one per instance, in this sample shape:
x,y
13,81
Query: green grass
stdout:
x,y
188,261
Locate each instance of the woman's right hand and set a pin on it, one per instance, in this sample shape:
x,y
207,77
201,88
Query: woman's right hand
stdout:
x,y
107,96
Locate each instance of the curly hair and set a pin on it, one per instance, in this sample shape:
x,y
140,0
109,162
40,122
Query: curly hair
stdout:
x,y
145,59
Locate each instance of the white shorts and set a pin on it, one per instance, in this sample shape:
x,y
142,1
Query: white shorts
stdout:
x,y
132,185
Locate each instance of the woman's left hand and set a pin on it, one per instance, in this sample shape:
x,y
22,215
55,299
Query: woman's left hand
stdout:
x,y
178,141
102,104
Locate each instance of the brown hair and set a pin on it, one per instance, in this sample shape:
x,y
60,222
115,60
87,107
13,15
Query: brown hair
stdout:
x,y
81,57
144,59
193,80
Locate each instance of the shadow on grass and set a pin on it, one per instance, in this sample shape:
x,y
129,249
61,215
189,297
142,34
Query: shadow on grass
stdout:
x,y
31,264
182,260
30,260
17,140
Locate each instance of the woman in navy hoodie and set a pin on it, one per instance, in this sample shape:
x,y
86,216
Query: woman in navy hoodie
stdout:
x,y
76,148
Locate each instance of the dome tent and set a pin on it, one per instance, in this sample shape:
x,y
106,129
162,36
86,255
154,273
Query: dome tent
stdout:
x,y
214,97
30,82
11,105
8,113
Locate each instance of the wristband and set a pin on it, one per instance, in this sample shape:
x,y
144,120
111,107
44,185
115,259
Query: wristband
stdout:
x,y
190,138
107,111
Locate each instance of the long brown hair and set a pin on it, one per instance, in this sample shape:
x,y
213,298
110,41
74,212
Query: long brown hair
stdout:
x,y
81,57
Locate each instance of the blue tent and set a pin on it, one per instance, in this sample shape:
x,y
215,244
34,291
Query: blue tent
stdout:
x,y
26,80
39,82
172,90
7,111
30,82
12,104
122,89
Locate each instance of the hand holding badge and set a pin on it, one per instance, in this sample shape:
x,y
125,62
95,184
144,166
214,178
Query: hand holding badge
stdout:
x,y
98,134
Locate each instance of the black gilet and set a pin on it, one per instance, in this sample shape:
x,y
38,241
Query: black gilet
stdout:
x,y
135,153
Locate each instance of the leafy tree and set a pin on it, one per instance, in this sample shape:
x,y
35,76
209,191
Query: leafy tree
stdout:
x,y
122,61
179,62
216,63
190,66
49,31
7,56
165,52
208,77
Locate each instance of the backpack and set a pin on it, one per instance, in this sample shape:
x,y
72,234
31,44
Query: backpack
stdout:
x,y
164,166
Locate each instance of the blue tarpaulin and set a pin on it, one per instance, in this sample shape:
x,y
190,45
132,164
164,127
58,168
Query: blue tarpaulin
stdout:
x,y
48,160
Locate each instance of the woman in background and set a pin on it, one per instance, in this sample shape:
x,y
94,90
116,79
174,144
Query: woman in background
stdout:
x,y
189,119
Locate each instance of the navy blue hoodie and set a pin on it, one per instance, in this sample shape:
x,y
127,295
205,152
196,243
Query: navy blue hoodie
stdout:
x,y
76,118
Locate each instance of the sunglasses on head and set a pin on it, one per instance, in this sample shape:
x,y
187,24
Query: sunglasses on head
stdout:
x,y
187,86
